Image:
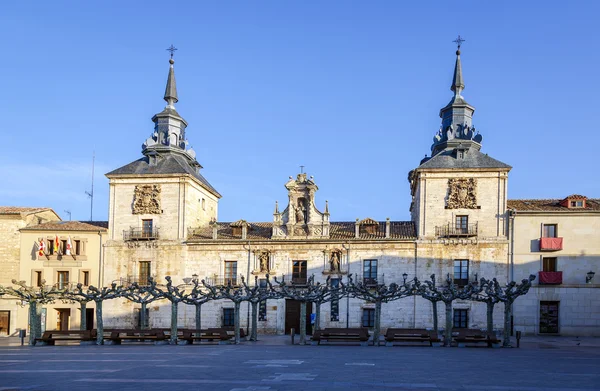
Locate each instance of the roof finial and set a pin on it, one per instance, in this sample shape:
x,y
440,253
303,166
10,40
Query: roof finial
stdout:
x,y
171,90
457,82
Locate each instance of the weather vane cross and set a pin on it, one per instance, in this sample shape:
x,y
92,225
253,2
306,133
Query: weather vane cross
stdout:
x,y
301,169
173,48
458,41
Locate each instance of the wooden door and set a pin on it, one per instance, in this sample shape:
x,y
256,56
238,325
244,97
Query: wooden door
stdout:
x,y
549,317
62,323
5,323
292,316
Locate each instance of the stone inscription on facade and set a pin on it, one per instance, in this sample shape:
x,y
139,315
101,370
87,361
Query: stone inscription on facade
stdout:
x,y
462,193
146,199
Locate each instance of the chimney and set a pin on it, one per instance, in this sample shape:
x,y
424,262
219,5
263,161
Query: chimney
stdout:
x,y
214,230
356,229
244,231
387,227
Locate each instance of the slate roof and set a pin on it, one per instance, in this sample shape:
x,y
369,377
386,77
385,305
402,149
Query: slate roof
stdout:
x,y
69,226
169,163
15,210
553,205
338,230
472,159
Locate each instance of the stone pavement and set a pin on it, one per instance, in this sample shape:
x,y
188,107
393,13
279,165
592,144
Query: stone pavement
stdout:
x,y
541,364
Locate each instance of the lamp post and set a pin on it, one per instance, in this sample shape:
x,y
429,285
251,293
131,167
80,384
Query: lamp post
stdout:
x,y
589,277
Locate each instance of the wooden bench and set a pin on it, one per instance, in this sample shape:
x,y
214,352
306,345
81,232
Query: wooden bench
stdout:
x,y
360,335
220,335
231,331
474,336
119,335
50,337
411,335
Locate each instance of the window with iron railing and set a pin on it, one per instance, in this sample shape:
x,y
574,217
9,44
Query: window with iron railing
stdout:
x,y
144,273
461,272
63,279
370,271
230,273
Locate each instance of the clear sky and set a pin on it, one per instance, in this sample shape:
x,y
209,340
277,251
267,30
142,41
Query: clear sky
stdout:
x,y
349,89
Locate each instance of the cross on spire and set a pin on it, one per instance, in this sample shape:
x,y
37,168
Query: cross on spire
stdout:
x,y
173,48
458,41
301,169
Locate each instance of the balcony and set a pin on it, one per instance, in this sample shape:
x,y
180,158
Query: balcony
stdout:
x,y
551,244
550,278
293,279
140,280
140,234
222,281
452,231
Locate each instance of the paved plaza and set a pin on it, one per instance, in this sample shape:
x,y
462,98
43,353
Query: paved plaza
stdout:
x,y
274,364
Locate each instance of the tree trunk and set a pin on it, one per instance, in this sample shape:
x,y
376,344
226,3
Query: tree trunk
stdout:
x,y
173,340
32,322
82,317
435,317
302,323
448,337
507,313
317,325
253,333
490,317
99,324
198,316
143,318
377,328
236,321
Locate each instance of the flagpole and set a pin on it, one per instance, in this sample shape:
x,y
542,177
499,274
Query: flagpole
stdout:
x,y
91,194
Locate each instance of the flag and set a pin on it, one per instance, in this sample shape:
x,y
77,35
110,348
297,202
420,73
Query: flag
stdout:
x,y
68,249
41,248
56,245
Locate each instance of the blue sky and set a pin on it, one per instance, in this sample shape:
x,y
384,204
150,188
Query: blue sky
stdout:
x,y
349,89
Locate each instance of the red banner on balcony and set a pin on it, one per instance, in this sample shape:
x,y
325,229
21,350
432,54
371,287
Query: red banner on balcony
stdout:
x,y
551,244
551,278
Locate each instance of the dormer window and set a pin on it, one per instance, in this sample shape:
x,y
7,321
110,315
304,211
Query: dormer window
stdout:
x,y
574,201
369,226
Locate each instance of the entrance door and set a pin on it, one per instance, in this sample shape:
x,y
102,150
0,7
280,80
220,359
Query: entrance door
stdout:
x,y
62,321
89,318
292,316
549,316
5,323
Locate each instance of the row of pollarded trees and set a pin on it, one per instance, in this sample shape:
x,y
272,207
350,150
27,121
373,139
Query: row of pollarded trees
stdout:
x,y
198,293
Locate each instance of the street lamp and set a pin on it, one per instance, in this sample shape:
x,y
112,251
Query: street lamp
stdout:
x,y
194,277
405,276
589,277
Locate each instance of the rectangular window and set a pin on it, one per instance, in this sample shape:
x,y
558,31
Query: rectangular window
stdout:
x,y
63,280
461,272
549,264
335,303
368,318
299,272
230,272
462,224
262,311
144,272
550,231
50,246
228,318
63,246
38,278
85,278
461,318
370,271
147,228
77,247
262,283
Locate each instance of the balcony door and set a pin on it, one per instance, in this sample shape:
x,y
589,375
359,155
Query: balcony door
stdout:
x,y
147,228
462,225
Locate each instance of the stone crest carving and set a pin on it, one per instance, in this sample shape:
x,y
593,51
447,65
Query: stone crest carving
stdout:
x,y
462,193
146,199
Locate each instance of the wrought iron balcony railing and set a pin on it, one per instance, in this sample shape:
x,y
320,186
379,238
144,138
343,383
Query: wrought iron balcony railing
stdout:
x,y
140,280
140,234
221,280
452,231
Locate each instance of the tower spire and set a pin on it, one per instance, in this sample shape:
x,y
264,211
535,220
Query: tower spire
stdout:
x,y
171,90
457,82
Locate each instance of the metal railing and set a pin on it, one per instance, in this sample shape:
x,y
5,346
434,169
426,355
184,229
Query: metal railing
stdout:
x,y
140,280
140,234
221,280
451,231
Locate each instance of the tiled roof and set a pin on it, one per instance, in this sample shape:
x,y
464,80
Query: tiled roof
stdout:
x,y
472,159
15,210
338,230
577,196
69,226
551,205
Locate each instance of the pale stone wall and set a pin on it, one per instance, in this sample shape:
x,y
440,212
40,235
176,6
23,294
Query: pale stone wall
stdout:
x,y
491,197
579,309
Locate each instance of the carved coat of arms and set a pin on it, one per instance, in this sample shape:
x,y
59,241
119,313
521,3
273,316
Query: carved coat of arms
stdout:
x,y
146,199
462,193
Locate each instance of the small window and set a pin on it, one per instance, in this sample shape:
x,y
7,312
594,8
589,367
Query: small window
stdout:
x,y
38,278
462,224
78,248
85,278
262,311
230,272
335,310
203,204
50,247
370,271
299,272
228,318
63,280
461,272
368,319
63,246
262,283
549,264
461,318
550,230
